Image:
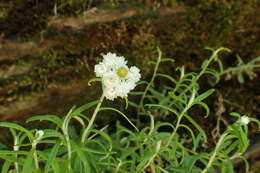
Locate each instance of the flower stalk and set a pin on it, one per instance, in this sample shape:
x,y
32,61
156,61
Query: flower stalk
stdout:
x,y
65,131
86,131
39,135
213,156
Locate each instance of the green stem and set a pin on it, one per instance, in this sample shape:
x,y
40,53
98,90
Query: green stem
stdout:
x,y
85,133
213,156
35,158
34,144
141,103
67,138
242,67
213,56
69,151
181,116
177,125
16,148
39,135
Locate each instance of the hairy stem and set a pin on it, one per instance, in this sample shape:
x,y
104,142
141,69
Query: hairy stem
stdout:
x,y
85,133
213,155
141,103
181,116
16,148
65,131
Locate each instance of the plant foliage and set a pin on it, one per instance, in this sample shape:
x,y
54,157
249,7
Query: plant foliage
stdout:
x,y
155,146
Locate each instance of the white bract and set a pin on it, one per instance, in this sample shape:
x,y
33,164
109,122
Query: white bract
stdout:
x,y
117,78
39,133
244,120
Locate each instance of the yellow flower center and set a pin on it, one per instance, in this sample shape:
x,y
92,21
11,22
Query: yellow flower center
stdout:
x,y
122,72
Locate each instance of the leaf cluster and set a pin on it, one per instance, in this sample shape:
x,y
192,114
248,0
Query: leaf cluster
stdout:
x,y
157,146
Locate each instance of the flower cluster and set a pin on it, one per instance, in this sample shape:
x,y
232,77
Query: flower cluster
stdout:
x,y
117,78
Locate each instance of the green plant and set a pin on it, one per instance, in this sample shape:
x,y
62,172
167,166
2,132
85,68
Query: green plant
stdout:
x,y
156,146
244,68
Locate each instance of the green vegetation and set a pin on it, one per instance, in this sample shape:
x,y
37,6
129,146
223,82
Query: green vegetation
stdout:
x,y
147,144
172,135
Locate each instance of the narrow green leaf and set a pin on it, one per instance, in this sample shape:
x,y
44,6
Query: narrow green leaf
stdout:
x,y
151,63
12,159
163,124
90,150
229,164
204,95
84,107
197,126
147,156
5,167
106,136
192,161
28,164
128,152
192,136
17,127
122,114
13,152
213,73
48,133
164,107
205,106
94,80
52,118
53,153
167,77
82,156
178,99
167,60
235,114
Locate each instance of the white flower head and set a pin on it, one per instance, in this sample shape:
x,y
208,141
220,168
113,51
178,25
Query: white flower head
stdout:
x,y
244,120
117,78
39,133
38,136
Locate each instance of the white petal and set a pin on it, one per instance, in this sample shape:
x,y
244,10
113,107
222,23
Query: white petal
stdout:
x,y
134,74
135,70
114,61
110,79
110,93
122,90
100,69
